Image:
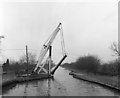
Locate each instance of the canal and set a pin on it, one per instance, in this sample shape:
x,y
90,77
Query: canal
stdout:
x,y
62,85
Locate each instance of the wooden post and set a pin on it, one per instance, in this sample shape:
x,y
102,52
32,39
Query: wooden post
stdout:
x,y
27,58
53,71
49,65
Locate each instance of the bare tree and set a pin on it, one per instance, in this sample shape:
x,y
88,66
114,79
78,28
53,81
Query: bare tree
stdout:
x,y
116,48
31,58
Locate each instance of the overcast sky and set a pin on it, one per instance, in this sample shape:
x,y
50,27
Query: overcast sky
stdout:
x,y
88,28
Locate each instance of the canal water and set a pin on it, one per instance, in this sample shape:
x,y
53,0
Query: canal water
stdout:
x,y
62,85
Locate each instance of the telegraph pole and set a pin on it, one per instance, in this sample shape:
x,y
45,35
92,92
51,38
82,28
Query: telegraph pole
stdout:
x,y
27,58
0,42
0,47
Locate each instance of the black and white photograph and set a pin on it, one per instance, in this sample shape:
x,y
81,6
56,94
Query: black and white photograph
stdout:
x,y
59,48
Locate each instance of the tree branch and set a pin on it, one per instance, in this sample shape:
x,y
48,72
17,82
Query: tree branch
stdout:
x,y
115,48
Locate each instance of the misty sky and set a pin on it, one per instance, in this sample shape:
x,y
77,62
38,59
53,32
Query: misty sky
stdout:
x,y
88,27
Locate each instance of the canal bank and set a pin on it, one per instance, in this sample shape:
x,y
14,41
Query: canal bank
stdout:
x,y
101,80
62,84
23,78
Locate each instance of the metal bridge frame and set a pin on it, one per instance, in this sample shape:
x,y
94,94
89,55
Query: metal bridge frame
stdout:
x,y
47,47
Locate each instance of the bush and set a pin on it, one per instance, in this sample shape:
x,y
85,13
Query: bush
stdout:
x,y
92,64
89,63
85,63
111,68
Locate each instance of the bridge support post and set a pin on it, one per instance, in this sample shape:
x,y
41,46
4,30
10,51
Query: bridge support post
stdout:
x,y
53,71
49,65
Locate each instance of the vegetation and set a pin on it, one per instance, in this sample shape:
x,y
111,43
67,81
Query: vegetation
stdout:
x,y
92,64
21,66
31,59
115,48
17,68
89,64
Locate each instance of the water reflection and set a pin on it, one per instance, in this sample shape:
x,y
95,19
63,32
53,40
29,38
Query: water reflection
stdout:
x,y
62,85
6,89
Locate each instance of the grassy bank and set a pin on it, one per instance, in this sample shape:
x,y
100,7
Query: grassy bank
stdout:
x,y
9,79
112,81
90,68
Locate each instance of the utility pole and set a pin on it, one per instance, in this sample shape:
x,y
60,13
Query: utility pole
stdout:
x,y
27,58
0,42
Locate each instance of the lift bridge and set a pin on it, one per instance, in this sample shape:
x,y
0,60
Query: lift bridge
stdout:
x,y
47,48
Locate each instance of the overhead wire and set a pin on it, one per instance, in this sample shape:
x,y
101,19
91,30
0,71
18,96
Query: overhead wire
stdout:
x,y
18,49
